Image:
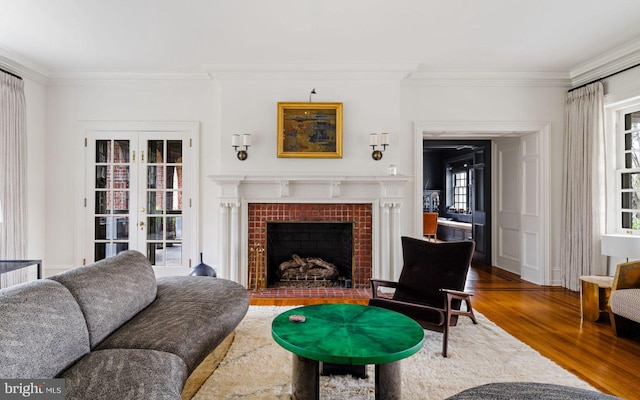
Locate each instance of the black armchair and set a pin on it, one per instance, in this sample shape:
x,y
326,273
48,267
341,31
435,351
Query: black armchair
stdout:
x,y
431,285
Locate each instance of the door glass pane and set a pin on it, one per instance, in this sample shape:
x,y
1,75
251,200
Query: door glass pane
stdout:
x,y
121,228
101,202
164,202
121,177
101,228
112,196
121,152
173,254
155,230
174,203
101,176
172,228
154,203
174,178
155,177
155,151
174,151
121,202
103,150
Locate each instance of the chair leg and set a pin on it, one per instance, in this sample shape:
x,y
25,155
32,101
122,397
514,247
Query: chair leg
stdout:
x,y
445,340
470,311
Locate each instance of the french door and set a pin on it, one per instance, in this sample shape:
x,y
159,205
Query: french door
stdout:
x,y
138,196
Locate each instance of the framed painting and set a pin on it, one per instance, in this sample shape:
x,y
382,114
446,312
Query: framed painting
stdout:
x,y
310,130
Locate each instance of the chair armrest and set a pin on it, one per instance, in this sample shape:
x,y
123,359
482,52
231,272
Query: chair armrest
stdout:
x,y
456,294
378,283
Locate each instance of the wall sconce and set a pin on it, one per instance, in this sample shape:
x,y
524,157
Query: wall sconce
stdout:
x,y
373,142
246,142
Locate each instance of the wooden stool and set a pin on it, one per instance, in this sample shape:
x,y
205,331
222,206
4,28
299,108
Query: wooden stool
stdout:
x,y
594,296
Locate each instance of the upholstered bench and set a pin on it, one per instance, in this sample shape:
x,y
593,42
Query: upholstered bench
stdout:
x,y
528,391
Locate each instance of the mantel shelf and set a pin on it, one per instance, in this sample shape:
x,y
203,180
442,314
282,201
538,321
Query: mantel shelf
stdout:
x,y
309,178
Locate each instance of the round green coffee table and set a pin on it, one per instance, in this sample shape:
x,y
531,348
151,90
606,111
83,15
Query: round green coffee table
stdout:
x,y
347,334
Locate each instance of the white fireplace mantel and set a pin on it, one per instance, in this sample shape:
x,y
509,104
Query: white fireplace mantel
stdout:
x,y
384,193
300,187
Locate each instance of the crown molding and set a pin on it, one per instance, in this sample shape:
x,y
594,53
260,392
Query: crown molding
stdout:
x,y
613,61
135,79
19,65
309,71
488,79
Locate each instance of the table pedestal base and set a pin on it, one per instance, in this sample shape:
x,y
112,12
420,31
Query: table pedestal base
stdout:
x,y
306,380
388,381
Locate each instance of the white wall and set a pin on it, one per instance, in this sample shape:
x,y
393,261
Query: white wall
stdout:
x,y
482,103
228,106
68,105
35,95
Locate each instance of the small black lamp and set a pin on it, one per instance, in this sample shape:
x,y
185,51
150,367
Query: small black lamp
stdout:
x,y
202,269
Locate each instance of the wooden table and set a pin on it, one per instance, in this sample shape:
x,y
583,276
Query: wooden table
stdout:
x,y
14,265
348,334
594,295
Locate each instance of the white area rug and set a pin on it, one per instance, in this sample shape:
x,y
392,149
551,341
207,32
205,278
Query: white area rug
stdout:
x,y
257,368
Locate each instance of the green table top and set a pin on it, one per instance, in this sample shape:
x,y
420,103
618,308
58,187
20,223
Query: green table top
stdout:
x,y
348,334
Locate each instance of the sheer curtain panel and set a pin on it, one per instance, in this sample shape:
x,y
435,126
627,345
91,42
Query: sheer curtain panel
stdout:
x,y
13,185
584,183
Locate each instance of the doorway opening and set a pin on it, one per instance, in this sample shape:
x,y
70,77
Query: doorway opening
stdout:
x,y
456,180
520,216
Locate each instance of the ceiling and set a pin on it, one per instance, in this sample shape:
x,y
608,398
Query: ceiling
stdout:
x,y
188,36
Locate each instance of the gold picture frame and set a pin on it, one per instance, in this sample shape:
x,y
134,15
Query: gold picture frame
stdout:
x,y
309,130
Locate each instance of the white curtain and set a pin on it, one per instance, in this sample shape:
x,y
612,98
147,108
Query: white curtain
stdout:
x,y
584,185
13,166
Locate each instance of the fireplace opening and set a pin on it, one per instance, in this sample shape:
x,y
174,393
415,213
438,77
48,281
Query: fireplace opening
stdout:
x,y
305,254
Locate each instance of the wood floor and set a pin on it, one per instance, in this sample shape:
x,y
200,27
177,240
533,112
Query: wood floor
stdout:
x,y
548,320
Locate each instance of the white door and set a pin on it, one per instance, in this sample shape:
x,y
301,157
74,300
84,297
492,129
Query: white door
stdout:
x,y
508,204
532,223
138,197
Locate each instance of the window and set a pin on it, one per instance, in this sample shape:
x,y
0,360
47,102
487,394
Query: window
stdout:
x,y
629,175
460,187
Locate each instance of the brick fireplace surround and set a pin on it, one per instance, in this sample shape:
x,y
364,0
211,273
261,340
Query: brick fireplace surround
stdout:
x,y
373,203
359,214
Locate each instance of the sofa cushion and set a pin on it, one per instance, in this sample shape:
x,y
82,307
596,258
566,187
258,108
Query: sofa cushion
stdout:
x,y
42,330
111,291
121,374
626,303
190,317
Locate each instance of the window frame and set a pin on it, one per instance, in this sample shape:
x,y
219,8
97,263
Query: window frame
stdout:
x,y
460,171
621,168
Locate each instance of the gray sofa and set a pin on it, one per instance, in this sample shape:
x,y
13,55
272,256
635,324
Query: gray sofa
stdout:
x,y
114,331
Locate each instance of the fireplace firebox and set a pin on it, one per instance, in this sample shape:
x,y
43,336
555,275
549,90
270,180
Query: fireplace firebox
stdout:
x,y
309,254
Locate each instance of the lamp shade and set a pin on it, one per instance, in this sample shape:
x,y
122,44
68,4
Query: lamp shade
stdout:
x,y
619,245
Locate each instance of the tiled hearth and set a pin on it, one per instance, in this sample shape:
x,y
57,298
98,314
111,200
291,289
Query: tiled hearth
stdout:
x,y
373,203
310,293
